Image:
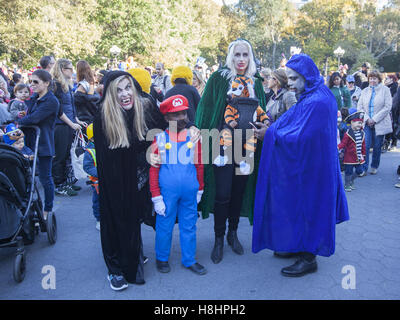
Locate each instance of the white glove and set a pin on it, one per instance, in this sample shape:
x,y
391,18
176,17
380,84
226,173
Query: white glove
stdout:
x,y
199,194
159,205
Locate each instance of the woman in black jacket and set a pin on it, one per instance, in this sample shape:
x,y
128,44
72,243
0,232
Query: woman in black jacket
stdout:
x,y
43,109
65,126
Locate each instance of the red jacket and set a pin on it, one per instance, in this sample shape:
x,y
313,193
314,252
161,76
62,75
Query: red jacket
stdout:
x,y
348,143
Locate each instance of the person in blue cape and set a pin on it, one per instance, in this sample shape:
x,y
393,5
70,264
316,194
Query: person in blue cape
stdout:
x,y
299,195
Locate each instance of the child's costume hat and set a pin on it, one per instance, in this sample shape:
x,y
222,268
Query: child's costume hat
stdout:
x,y
174,104
12,134
354,115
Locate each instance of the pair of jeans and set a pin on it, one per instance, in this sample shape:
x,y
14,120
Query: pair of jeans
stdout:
x,y
374,141
44,166
349,169
95,204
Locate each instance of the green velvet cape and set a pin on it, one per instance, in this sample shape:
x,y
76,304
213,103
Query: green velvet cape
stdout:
x,y
209,115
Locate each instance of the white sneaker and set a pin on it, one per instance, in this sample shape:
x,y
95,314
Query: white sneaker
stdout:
x,y
98,225
373,171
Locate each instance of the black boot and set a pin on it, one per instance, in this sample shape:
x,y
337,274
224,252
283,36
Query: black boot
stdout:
x,y
217,253
233,241
306,263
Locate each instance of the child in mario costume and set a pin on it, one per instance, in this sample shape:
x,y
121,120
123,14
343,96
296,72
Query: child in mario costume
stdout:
x,y
90,167
242,110
176,185
353,147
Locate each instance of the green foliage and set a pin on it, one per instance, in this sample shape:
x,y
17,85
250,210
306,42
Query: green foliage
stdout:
x,y
178,31
31,29
268,23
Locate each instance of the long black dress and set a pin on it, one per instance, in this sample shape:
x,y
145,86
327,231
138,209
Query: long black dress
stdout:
x,y
120,214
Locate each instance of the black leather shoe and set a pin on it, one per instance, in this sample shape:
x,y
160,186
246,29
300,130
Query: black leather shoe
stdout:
x,y
233,241
218,251
163,266
281,254
300,268
197,268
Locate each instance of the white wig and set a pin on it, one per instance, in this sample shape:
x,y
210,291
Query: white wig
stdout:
x,y
251,68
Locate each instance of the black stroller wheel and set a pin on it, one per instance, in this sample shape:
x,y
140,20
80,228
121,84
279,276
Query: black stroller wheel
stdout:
x,y
51,228
19,267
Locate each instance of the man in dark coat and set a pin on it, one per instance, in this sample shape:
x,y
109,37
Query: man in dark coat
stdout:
x,y
299,194
181,79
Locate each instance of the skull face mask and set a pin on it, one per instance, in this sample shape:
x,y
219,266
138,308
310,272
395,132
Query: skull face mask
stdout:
x,y
296,81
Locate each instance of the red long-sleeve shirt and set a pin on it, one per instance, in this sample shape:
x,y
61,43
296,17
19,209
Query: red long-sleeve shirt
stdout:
x,y
154,172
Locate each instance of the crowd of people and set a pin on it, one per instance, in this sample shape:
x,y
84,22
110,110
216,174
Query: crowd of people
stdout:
x,y
290,113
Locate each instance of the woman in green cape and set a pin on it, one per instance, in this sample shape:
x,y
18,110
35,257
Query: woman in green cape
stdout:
x,y
227,194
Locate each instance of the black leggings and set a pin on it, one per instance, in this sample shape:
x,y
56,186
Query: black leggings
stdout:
x,y
230,188
63,136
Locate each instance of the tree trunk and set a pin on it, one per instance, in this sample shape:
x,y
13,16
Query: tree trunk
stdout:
x,y
273,54
326,68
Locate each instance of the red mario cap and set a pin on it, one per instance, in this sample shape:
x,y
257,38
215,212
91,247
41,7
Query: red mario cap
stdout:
x,y
174,104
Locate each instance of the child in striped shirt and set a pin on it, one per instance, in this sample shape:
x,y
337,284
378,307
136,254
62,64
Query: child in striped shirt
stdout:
x,y
353,147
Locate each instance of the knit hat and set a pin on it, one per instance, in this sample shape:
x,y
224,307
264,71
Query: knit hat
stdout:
x,y
280,75
182,72
12,134
143,77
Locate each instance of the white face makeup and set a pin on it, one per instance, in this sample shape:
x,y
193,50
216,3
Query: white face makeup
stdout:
x,y
241,58
296,81
125,94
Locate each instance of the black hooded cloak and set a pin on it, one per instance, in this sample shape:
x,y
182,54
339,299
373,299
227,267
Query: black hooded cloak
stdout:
x,y
120,210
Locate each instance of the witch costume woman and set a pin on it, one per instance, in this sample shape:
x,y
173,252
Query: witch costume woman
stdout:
x,y
121,209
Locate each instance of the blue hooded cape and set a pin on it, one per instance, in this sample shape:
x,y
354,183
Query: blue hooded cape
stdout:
x,y
299,194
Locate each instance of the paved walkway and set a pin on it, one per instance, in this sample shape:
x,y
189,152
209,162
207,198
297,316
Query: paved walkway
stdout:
x,y
368,245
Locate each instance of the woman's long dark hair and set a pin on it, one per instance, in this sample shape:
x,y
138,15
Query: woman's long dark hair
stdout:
x,y
333,76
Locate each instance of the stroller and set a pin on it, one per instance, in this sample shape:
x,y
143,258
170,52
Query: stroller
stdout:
x,y
21,209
